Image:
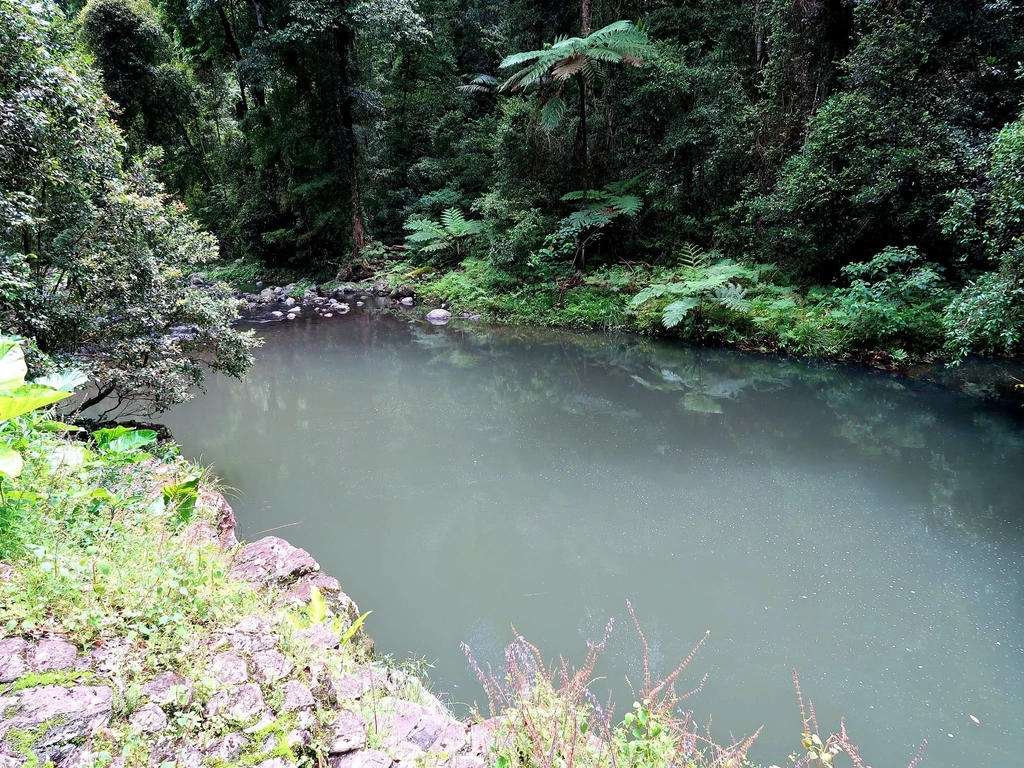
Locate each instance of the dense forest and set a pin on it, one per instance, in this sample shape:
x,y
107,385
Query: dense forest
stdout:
x,y
817,176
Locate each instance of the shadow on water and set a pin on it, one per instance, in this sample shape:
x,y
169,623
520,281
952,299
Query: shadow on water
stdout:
x,y
864,528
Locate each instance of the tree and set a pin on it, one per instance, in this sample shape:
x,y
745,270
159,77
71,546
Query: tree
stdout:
x,y
579,59
94,258
445,236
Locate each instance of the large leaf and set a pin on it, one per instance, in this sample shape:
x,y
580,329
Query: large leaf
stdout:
x,y
65,381
28,397
12,364
11,462
182,497
123,440
677,311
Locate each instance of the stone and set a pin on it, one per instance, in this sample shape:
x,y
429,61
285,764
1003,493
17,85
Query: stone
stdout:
x,y
245,703
359,303
367,758
54,654
292,316
251,635
61,715
299,593
169,688
270,666
80,757
224,517
227,748
466,761
229,668
482,736
296,696
348,733
412,723
276,762
407,301
289,302
451,739
328,314
276,313
12,659
351,687
271,561
319,636
295,310
149,718
266,296
438,316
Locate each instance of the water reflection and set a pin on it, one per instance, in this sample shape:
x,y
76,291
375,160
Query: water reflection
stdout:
x,y
863,528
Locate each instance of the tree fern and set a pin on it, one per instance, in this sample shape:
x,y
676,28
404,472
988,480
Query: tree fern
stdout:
x,y
677,311
427,236
693,257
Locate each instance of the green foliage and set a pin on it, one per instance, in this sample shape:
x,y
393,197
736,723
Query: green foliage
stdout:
x,y
446,237
721,284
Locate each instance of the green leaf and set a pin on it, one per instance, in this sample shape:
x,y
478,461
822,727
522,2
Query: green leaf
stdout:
x,y
12,364
58,426
182,497
677,311
350,632
65,381
11,462
132,441
551,114
26,398
317,607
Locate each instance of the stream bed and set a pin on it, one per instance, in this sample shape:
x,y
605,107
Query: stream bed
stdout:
x,y
865,529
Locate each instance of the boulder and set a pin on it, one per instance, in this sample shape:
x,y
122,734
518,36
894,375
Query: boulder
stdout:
x,y
54,654
405,291
272,561
266,296
270,666
296,696
229,668
348,733
12,659
407,301
169,688
438,316
149,718
60,716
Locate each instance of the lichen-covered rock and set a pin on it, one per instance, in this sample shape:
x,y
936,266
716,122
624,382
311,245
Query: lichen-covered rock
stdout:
x,y
169,688
59,715
229,668
296,696
348,733
270,666
227,748
367,758
272,561
406,722
149,718
12,659
250,635
350,687
320,637
53,655
452,738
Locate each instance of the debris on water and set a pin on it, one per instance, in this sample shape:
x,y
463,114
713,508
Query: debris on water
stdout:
x,y
975,720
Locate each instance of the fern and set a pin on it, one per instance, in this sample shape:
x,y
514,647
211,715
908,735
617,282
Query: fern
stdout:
x,y
693,257
677,311
731,296
551,113
426,236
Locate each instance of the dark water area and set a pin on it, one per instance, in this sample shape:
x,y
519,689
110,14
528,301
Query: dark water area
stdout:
x,y
865,529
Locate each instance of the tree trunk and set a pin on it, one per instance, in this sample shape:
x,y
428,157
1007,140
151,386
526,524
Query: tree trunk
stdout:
x,y
343,42
585,8
580,149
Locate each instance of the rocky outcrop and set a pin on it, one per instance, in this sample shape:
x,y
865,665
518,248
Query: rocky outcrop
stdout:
x,y
256,691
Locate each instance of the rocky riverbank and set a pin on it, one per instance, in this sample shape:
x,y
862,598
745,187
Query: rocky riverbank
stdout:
x,y
278,303
294,683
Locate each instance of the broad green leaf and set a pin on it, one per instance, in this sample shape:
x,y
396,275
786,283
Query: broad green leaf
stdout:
x,y
12,364
317,606
67,456
131,441
58,426
182,497
11,462
350,632
28,397
675,312
65,381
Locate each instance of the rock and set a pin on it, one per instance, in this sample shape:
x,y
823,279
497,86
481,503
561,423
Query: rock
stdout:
x,y
407,301
380,288
229,668
451,739
250,635
438,316
259,283
227,748
223,515
292,316
466,761
12,659
246,703
52,655
296,696
295,310
149,718
482,736
169,688
275,313
299,593
260,725
359,303
266,296
276,762
328,314
404,291
59,715
80,757
351,687
319,636
270,666
348,733
408,722
367,758
272,560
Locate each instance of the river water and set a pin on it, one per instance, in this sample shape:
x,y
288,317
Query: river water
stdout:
x,y
864,529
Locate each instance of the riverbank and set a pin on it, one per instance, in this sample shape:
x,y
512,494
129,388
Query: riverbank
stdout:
x,y
139,631
888,317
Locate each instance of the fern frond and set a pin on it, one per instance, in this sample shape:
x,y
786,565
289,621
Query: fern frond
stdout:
x,y
693,257
677,311
731,296
481,85
452,219
630,205
568,67
551,114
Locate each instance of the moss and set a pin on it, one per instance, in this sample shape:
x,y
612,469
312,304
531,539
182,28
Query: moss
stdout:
x,y
62,677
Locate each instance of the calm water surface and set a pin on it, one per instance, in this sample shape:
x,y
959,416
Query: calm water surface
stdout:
x,y
864,529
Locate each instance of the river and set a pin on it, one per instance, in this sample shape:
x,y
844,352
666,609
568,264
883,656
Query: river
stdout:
x,y
864,529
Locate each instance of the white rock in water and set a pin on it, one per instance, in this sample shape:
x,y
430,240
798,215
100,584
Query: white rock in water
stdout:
x,y
407,301
439,316
328,314
275,313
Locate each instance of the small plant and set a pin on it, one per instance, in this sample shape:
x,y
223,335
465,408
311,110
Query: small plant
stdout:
x,y
446,237
316,612
721,284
